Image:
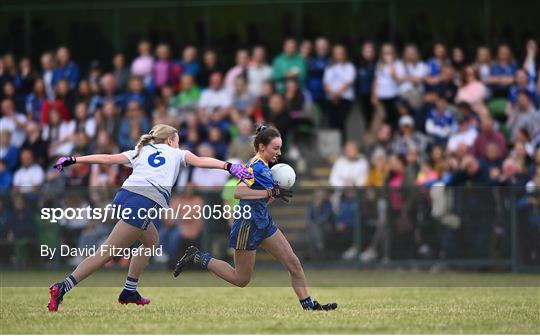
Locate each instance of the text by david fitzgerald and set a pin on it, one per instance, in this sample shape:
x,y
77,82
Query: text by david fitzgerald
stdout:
x,y
101,250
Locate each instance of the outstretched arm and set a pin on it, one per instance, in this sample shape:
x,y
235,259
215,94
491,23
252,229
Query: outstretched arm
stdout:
x,y
65,161
237,170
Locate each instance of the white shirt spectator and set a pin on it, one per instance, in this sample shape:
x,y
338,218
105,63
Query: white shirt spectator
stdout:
x,y
346,172
466,138
418,69
387,86
209,177
61,143
338,74
26,178
212,99
257,75
10,124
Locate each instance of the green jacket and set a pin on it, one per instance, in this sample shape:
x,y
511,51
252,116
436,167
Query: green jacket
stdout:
x,y
284,64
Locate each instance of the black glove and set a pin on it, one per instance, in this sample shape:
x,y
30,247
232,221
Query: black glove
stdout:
x,y
277,192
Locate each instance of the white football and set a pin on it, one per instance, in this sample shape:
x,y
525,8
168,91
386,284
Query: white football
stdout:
x,y
283,175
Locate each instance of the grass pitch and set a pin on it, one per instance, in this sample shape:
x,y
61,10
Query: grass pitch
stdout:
x,y
504,303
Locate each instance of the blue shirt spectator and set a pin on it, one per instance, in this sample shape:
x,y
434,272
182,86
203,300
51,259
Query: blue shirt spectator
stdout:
x,y
315,69
6,177
66,69
189,63
347,211
440,122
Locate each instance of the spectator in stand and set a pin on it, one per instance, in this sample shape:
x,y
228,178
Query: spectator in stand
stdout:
x,y
94,77
435,65
209,66
48,74
522,83
108,118
446,85
502,72
29,177
142,65
351,169
215,99
242,146
488,134
279,116
25,77
108,93
305,49
188,97
9,92
189,64
64,94
201,177
6,176
190,228
344,223
483,63
59,133
9,69
295,101
12,121
492,162
58,104
458,62
35,100
440,122
83,122
8,152
386,85
523,116
288,64
320,220
316,66
120,72
258,71
36,144
216,140
378,168
471,91
162,71
132,126
240,69
532,64
243,101
137,93
364,80
464,136
338,84
66,68
412,77
408,137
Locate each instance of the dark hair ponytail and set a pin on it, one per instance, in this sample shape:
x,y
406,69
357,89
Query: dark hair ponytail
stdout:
x,y
263,135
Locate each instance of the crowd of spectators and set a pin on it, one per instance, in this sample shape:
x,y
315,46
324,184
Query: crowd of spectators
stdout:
x,y
450,119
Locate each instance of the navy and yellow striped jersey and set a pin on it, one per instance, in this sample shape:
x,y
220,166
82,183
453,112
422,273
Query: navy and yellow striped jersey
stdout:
x,y
262,179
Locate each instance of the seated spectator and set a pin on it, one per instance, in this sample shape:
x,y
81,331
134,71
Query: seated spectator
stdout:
x,y
511,174
83,122
258,71
288,64
351,169
8,152
35,100
316,66
120,72
84,92
240,69
215,99
440,122
66,69
188,97
202,177
522,84
241,146
189,64
95,74
378,168
48,74
242,100
209,66
295,101
523,115
9,92
29,177
279,116
6,176
472,91
108,118
502,72
445,85
133,125
458,62
488,134
59,134
215,139
492,162
12,122
34,142
320,220
108,94
162,71
483,63
465,135
142,65
435,65
408,137
137,93
25,77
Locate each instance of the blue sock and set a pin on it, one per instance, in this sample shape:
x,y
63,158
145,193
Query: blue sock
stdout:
x,y
131,284
69,283
202,259
306,303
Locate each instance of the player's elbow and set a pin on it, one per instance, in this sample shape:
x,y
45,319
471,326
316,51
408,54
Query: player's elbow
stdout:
x,y
238,193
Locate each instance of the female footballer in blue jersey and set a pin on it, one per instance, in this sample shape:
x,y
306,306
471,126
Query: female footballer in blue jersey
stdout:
x,y
259,230
156,161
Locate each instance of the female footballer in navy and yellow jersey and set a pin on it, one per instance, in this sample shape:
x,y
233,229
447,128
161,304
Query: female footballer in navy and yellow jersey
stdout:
x,y
156,161
259,230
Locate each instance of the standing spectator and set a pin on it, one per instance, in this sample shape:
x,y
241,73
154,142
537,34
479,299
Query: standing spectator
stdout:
x,y
144,63
344,224
60,134
458,62
305,49
288,64
522,84
35,100
532,63
502,72
258,71
446,85
364,81
242,146
188,97
120,72
412,77
8,152
66,68
36,144
214,99
386,85
483,63
132,126
351,169
523,116
472,91
408,137
9,69
488,134
13,122
435,64
464,136
320,220
316,66
440,123
29,177
9,92
25,77
338,80
240,69
162,72
209,66
189,63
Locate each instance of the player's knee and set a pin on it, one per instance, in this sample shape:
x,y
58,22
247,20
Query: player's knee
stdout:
x,y
294,266
242,282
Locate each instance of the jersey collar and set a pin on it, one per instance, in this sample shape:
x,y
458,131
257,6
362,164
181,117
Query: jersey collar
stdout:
x,y
258,157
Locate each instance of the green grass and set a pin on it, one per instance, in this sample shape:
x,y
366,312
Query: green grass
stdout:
x,y
257,309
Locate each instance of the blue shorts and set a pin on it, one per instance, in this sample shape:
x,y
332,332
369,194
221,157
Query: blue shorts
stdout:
x,y
245,235
130,200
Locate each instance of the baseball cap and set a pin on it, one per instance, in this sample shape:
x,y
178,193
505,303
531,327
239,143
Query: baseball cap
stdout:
x,y
406,120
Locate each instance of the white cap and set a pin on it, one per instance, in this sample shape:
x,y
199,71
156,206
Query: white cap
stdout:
x,y
406,120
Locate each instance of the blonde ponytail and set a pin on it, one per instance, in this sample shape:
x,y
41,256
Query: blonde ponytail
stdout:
x,y
157,135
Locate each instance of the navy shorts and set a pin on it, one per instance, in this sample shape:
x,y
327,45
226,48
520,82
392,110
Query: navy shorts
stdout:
x,y
133,201
245,235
